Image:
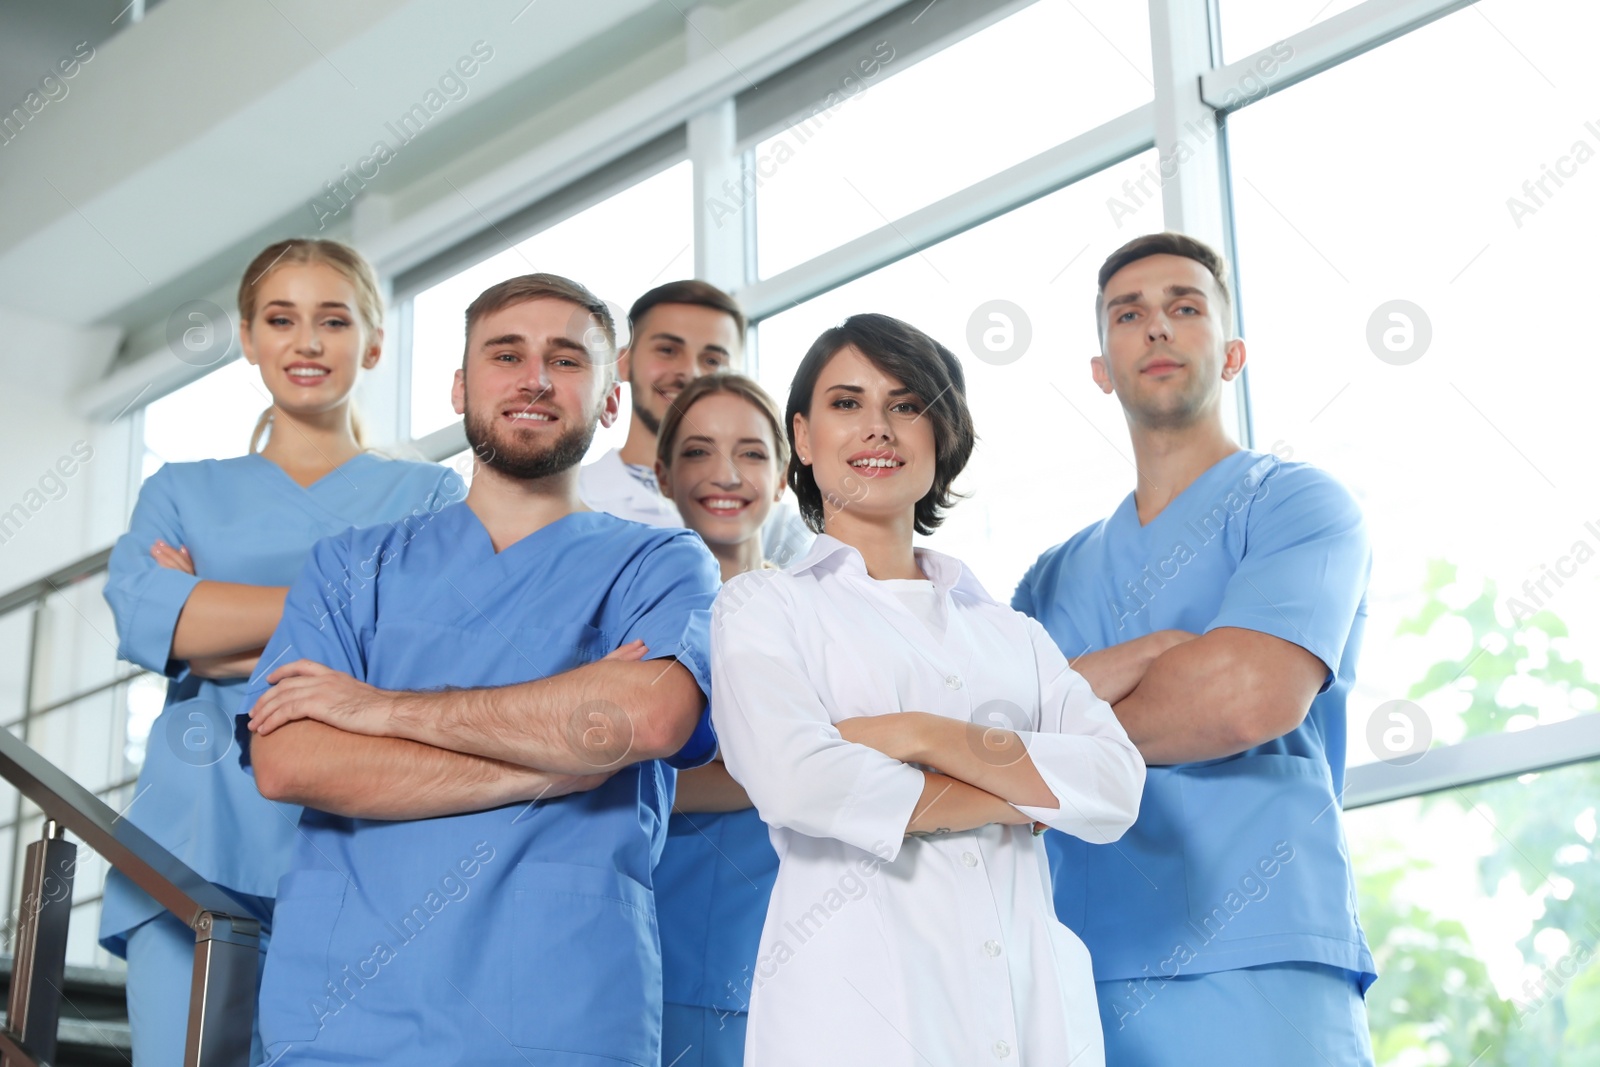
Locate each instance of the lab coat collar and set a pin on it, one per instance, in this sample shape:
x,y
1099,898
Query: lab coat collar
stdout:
x,y
948,574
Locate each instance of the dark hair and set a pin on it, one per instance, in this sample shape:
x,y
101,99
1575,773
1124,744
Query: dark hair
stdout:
x,y
923,365
691,291
527,287
735,385
1164,244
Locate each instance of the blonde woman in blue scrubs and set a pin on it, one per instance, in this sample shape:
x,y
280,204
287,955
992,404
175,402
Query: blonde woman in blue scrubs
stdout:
x,y
721,455
197,587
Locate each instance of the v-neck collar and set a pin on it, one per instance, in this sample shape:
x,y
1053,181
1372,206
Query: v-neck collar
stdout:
x,y
478,532
342,469
1128,512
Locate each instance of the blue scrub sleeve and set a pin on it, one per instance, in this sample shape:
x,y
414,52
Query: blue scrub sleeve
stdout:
x,y
667,605
1305,566
145,597
1022,599
323,620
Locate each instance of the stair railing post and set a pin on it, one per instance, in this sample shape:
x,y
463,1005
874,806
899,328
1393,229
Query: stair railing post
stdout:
x,y
40,965
222,993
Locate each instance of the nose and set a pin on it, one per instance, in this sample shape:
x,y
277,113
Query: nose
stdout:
x,y
728,477
1158,328
535,378
308,341
876,426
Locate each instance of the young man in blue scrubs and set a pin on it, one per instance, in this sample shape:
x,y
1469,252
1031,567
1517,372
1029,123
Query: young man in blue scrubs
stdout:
x,y
1219,610
472,708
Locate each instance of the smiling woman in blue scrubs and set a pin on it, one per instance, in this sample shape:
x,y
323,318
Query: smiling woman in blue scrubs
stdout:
x,y
720,457
197,586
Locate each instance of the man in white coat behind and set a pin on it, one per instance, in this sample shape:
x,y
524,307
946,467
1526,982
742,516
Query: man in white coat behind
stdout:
x,y
677,332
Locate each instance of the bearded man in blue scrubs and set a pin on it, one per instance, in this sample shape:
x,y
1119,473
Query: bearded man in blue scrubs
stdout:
x,y
1219,610
473,708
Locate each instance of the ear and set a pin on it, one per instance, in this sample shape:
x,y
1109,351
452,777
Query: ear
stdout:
x,y
625,364
1100,370
247,342
802,440
1233,360
374,352
664,478
611,406
458,392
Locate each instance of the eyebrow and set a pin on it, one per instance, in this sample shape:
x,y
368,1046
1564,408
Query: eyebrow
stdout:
x,y
324,304
740,441
519,339
1138,295
902,391
662,335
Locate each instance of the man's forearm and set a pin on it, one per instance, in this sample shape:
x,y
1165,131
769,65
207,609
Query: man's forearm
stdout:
x,y
1114,672
593,719
318,766
1219,695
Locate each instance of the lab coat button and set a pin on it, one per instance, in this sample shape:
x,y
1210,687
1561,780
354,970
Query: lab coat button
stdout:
x,y
992,948
1001,1050
953,681
969,859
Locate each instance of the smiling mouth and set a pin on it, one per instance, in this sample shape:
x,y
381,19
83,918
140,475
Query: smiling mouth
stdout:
x,y
308,373
724,505
529,416
877,463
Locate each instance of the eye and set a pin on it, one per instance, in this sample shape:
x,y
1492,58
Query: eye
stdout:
x,y
908,407
845,403
336,323
278,320
1126,316
756,454
505,356
714,362
693,452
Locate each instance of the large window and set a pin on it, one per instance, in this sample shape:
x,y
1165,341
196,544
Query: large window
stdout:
x,y
1410,305
900,136
619,248
1014,299
211,418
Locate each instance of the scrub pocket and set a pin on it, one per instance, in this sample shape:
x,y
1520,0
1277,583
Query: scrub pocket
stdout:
x,y
586,976
294,983
1274,861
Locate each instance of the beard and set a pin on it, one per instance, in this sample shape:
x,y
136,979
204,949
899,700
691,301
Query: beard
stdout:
x,y
499,448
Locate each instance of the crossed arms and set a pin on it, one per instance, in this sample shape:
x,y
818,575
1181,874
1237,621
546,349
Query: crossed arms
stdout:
x,y
325,740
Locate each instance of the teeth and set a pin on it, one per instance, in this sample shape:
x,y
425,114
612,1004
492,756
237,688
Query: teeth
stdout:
x,y
307,372
534,415
723,505
877,463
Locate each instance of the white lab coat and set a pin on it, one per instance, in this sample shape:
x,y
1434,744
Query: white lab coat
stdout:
x,y
883,951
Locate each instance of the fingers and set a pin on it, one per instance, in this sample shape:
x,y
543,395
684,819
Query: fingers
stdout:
x,y
177,559
300,668
632,652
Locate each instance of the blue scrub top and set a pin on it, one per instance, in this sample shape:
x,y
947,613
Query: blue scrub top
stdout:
x,y
525,933
1239,861
243,520
712,889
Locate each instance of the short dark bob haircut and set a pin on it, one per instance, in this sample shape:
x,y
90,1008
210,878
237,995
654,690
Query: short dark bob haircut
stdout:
x,y
929,369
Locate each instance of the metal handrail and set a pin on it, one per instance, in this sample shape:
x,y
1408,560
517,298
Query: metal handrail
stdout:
x,y
222,992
